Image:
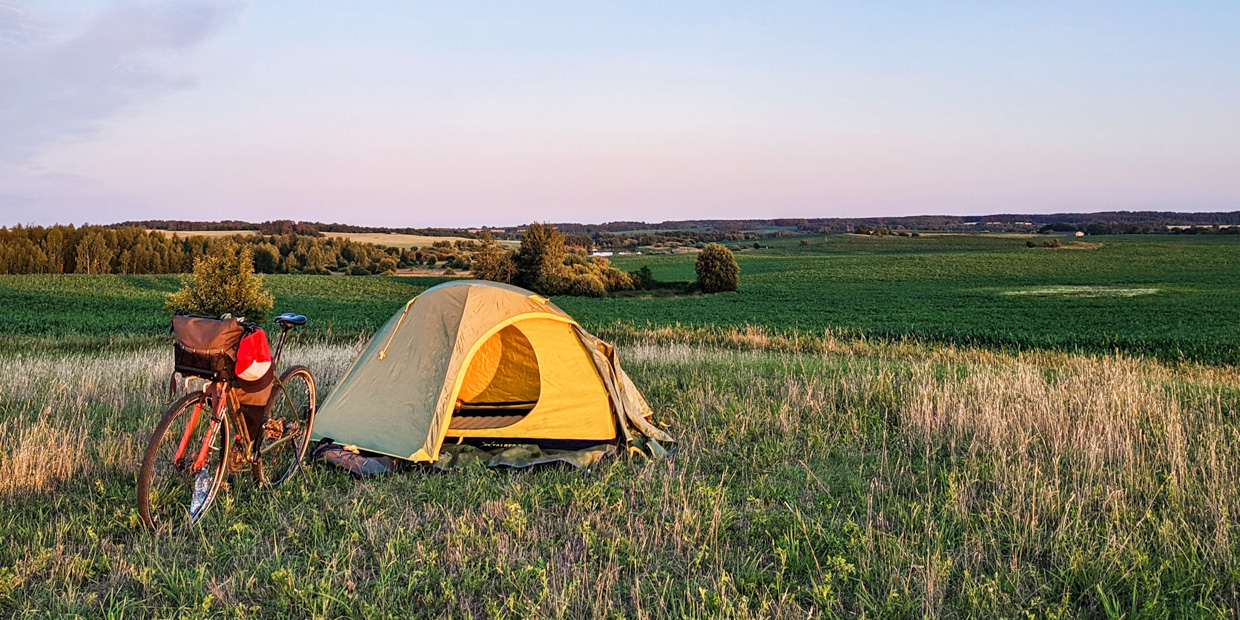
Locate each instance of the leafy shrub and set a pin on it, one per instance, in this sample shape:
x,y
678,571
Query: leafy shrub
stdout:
x,y
584,285
224,282
716,269
643,279
613,279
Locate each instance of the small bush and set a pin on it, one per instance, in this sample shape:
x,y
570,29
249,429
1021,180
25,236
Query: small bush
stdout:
x,y
584,285
1030,244
224,282
643,279
716,269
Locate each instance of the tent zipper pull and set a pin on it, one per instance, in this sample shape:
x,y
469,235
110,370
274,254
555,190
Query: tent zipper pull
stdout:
x,y
383,353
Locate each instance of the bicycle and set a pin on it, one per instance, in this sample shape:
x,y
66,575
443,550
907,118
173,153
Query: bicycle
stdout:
x,y
190,454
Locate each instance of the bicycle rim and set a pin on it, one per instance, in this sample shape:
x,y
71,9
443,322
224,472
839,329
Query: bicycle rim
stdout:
x,y
294,403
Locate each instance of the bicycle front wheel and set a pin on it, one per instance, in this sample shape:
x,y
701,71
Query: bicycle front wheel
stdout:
x,y
183,467
287,432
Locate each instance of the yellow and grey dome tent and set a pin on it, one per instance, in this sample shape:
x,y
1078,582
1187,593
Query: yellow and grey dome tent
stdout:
x,y
475,361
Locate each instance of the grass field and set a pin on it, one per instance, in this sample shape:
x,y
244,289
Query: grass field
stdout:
x,y
898,481
1171,297
828,466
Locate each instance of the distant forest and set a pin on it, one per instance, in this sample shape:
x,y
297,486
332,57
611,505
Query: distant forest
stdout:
x,y
286,246
135,250
1109,222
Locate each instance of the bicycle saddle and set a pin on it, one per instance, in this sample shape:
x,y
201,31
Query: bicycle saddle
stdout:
x,y
288,319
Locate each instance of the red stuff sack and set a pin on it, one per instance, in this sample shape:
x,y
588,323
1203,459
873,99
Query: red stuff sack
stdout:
x,y
253,356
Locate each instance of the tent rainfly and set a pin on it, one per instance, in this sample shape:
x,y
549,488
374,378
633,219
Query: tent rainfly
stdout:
x,y
485,363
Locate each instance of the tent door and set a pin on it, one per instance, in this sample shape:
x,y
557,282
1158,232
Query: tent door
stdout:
x,y
501,385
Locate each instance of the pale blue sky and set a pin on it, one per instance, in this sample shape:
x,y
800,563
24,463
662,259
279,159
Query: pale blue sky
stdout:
x,y
470,113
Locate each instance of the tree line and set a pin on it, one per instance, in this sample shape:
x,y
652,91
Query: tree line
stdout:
x,y
135,250
547,261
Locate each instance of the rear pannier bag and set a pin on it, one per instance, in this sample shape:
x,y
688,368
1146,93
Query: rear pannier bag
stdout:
x,y
254,378
206,347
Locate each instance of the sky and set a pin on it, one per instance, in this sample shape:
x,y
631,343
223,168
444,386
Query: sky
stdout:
x,y
501,113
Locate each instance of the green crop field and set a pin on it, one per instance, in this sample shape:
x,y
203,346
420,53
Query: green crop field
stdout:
x,y
1171,297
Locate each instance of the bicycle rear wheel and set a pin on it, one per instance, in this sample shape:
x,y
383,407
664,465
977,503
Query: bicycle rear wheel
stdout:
x,y
287,433
173,493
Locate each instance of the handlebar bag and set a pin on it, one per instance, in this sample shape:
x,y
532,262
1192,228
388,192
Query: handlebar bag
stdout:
x,y
206,347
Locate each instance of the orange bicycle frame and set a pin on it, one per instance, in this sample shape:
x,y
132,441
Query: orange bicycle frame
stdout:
x,y
217,416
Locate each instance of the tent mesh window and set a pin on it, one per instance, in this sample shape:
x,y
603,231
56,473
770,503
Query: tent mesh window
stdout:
x,y
501,385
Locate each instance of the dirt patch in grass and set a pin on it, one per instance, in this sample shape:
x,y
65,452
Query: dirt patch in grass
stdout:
x,y
1082,291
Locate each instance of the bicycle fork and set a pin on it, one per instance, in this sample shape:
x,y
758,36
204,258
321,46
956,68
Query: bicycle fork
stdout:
x,y
217,418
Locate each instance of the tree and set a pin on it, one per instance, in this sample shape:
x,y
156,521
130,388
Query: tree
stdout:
x,y
224,282
493,262
540,257
94,255
54,248
266,258
314,260
717,270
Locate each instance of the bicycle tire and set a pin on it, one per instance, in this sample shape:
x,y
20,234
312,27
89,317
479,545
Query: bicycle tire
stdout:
x,y
166,490
294,404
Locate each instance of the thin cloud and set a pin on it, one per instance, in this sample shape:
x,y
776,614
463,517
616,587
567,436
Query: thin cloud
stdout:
x,y
61,81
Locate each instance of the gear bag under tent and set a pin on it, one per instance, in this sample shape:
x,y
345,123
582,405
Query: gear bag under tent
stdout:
x,y
490,365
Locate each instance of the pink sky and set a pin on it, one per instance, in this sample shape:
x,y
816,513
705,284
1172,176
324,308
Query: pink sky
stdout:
x,y
421,114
